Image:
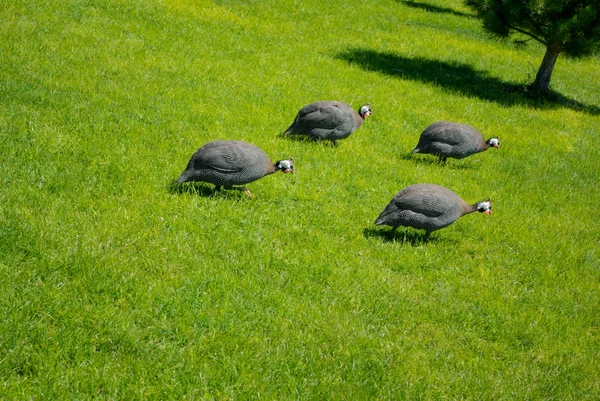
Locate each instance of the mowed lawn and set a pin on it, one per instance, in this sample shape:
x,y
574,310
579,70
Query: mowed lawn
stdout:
x,y
115,283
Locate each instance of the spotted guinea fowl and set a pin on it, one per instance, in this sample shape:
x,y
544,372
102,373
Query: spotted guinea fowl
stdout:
x,y
228,163
447,139
427,207
328,120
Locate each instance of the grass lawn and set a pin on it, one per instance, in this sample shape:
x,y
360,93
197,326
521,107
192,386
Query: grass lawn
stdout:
x,y
117,284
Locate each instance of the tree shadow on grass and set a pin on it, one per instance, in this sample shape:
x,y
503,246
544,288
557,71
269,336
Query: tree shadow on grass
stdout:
x,y
404,236
434,9
460,78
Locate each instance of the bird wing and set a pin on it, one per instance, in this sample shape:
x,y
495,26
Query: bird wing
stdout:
x,y
419,202
452,133
225,159
321,115
442,135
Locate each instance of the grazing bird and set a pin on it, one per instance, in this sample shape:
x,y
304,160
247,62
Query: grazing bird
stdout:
x,y
427,207
228,163
328,120
446,139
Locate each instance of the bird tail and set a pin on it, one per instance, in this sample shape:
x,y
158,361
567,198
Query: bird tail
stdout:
x,y
381,219
416,150
289,131
183,177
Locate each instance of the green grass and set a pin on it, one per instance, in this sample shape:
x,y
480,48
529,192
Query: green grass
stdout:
x,y
114,284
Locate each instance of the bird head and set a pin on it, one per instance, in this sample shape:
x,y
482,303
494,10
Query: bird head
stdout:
x,y
287,166
365,111
485,207
494,142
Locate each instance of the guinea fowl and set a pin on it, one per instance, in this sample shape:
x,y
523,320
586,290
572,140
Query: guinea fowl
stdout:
x,y
427,207
228,163
446,139
328,120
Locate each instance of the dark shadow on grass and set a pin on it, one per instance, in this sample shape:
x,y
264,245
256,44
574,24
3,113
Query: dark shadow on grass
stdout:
x,y
205,190
433,160
307,139
460,78
402,235
434,9
191,188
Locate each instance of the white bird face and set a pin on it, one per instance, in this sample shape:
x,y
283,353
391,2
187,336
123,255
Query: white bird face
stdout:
x,y
365,111
485,207
287,166
495,142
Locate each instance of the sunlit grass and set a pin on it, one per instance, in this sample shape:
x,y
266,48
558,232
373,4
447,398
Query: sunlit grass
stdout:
x,y
116,284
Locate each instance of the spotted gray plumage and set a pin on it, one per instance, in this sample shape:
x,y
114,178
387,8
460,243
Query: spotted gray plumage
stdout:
x,y
427,207
228,163
328,120
447,139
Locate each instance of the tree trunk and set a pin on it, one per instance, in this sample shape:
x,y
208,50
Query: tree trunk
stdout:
x,y
542,79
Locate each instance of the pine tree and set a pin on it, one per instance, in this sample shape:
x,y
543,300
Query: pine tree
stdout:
x,y
571,27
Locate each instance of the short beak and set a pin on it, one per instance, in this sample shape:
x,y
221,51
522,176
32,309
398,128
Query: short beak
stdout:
x,y
489,211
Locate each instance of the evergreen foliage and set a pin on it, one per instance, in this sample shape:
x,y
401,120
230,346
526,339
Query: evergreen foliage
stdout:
x,y
571,27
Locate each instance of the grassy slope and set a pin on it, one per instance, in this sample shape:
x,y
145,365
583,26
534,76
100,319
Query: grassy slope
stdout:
x,y
114,284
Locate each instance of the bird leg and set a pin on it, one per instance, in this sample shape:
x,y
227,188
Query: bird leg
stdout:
x,y
244,190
